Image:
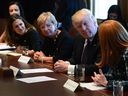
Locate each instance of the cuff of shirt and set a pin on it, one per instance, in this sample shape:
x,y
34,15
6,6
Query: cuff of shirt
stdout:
x,y
71,69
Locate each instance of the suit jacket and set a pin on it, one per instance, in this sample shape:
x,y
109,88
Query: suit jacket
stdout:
x,y
91,57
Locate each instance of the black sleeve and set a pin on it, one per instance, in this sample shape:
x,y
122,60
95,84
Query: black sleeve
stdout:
x,y
77,50
34,40
64,48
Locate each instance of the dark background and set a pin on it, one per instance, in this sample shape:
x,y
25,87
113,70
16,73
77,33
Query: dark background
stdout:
x,y
30,7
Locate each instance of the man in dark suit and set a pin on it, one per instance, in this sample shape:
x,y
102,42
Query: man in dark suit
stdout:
x,y
86,47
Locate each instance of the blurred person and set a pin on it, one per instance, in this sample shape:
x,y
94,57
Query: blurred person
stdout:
x,y
65,9
114,13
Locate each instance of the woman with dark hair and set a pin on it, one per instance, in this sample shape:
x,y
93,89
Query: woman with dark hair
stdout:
x,y
114,13
14,8
20,33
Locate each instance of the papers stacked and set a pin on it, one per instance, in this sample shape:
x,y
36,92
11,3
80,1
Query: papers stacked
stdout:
x,y
37,78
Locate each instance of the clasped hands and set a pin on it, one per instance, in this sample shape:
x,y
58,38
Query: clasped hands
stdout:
x,y
38,56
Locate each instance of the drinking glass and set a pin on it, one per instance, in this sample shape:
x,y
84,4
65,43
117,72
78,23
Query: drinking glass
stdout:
x,y
117,88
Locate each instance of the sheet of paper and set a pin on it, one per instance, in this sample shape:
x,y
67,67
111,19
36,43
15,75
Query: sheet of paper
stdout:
x,y
8,52
14,54
5,52
37,70
36,79
91,86
5,46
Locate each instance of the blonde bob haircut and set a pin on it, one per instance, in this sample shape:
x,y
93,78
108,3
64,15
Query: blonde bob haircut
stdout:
x,y
83,13
46,16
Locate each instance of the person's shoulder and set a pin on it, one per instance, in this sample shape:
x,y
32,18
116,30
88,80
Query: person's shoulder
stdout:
x,y
78,36
32,31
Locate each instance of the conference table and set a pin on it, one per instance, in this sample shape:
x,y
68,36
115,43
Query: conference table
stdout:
x,y
9,86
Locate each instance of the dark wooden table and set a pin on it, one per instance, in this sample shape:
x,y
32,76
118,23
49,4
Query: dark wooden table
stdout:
x,y
12,87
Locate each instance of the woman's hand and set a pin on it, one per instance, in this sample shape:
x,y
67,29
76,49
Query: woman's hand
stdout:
x,y
19,49
99,79
38,56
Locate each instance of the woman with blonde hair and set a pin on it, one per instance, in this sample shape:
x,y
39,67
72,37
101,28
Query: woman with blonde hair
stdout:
x,y
114,50
57,43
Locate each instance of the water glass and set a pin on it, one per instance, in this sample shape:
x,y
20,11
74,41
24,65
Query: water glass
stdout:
x,y
117,88
79,73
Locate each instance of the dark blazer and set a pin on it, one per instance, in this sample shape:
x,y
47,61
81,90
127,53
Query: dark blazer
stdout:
x,y
92,54
30,39
60,47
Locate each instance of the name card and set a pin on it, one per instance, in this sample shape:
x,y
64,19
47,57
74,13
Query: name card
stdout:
x,y
71,85
15,70
24,59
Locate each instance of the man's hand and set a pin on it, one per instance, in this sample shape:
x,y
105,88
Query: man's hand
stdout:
x,y
61,66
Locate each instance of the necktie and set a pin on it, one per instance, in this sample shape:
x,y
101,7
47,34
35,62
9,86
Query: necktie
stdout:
x,y
83,57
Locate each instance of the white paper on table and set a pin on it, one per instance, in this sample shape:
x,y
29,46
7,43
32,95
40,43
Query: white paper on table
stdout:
x,y
36,79
5,52
5,46
8,52
92,86
37,70
14,54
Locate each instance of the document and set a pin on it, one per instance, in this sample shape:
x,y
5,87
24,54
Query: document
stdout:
x,y
5,52
36,79
92,86
4,46
14,54
37,70
11,53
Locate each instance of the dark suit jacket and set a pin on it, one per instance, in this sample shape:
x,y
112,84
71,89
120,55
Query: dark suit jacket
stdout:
x,y
92,54
60,48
